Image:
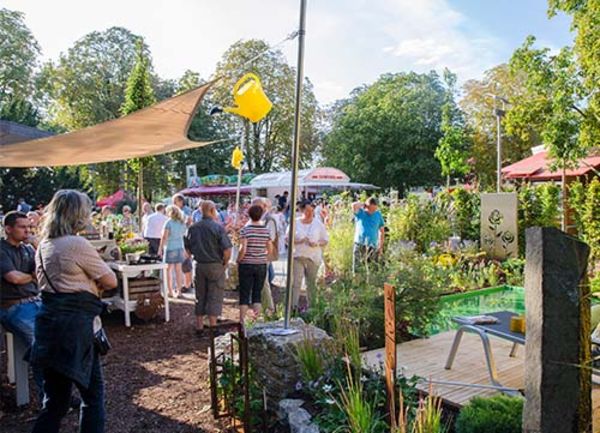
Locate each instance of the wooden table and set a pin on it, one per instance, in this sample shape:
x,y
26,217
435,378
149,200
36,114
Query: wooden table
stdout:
x,y
131,271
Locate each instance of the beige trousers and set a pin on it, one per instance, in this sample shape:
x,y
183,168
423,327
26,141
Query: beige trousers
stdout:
x,y
304,268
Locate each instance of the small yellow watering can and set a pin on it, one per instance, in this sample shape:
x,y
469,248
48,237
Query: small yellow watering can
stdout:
x,y
252,103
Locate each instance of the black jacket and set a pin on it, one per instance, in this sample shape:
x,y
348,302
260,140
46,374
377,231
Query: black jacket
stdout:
x,y
64,334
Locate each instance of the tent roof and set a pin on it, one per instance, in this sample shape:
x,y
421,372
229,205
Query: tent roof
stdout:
x,y
112,199
535,168
320,176
158,129
12,132
214,190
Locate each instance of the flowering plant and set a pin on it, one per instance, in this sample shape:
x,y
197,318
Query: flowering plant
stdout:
x,y
130,245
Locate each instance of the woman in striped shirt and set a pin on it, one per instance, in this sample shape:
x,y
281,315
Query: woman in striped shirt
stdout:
x,y
252,261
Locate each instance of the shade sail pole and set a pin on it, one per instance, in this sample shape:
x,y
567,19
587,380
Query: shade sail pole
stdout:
x,y
239,179
295,158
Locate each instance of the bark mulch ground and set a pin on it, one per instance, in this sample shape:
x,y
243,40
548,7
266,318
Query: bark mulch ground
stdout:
x,y
156,375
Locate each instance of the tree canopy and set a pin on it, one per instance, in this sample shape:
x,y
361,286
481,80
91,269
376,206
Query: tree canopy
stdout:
x,y
19,51
87,85
270,140
453,148
387,133
478,105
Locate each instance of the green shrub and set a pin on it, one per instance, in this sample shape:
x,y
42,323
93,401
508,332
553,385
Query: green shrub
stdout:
x,y
338,254
538,206
311,358
466,207
591,220
420,221
499,414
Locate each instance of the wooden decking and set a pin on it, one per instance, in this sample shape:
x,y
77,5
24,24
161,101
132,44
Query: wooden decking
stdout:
x,y
426,358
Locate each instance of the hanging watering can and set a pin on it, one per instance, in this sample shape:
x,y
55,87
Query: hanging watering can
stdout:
x,y
251,101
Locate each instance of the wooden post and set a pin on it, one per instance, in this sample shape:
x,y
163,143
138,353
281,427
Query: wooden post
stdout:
x,y
389,294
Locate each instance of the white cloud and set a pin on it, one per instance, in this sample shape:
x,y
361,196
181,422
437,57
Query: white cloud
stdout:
x,y
430,34
348,42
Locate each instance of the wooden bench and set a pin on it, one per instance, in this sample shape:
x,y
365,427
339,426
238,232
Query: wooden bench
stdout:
x,y
18,369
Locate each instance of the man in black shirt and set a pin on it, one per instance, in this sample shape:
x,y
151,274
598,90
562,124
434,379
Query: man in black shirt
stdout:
x,y
19,293
210,246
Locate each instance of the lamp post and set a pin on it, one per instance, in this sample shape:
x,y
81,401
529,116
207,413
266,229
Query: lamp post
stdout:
x,y
295,158
499,113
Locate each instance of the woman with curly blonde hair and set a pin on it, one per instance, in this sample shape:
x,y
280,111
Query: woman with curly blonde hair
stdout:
x,y
171,247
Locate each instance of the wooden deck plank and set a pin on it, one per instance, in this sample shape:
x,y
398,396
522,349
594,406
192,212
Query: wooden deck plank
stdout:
x,y
426,358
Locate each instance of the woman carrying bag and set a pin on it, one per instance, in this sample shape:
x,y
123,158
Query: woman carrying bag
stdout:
x,y
68,332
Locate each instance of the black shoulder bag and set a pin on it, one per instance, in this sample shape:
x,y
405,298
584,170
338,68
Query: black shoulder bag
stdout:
x,y
101,342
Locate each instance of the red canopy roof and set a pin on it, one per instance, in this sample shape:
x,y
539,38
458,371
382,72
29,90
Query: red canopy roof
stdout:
x,y
113,199
535,168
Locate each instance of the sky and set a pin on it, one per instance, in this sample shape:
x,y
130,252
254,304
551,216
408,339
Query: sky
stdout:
x,y
348,42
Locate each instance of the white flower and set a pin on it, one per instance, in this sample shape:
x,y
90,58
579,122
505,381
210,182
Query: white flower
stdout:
x,y
327,388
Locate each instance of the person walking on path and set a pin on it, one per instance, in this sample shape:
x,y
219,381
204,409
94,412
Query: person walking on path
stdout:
x,y
171,245
369,232
153,228
207,242
146,212
253,259
72,276
186,266
310,239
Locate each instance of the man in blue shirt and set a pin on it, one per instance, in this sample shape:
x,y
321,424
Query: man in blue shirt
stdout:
x,y
368,232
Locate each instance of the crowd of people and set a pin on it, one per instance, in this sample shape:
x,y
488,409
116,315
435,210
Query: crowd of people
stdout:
x,y
53,278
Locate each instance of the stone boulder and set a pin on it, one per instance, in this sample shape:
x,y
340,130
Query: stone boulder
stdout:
x,y
299,420
273,357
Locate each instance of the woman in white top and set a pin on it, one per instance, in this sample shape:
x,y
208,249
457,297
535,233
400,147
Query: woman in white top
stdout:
x,y
310,238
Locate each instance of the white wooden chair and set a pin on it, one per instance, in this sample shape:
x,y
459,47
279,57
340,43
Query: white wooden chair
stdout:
x,y
18,369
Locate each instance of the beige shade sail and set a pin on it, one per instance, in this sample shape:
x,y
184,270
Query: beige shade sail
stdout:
x,y
158,129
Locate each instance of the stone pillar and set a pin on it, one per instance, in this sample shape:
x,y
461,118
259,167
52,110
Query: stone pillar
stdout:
x,y
273,357
557,390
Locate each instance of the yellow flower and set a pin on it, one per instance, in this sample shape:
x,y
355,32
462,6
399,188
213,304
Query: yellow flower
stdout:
x,y
446,260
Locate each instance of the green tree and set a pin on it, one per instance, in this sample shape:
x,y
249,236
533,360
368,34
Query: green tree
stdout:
x,y
140,94
554,103
19,53
269,141
478,106
87,85
387,133
36,185
453,148
212,159
585,25
21,111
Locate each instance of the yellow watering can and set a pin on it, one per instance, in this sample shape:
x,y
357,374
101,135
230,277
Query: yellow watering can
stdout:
x,y
251,101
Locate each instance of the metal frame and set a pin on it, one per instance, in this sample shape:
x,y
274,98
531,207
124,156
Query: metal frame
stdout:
x,y
487,349
222,405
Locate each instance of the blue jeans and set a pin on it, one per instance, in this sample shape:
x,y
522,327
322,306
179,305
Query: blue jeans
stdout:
x,y
271,273
57,398
20,320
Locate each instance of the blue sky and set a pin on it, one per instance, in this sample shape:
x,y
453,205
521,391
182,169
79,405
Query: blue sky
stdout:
x,y
349,42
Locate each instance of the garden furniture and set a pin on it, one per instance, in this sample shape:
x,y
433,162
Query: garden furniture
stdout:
x,y
501,329
123,301
18,368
